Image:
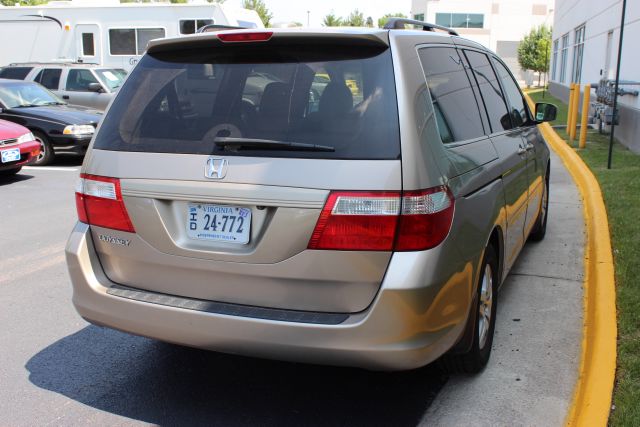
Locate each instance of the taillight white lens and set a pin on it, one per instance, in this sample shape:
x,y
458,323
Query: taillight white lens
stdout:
x,y
429,203
99,202
105,190
367,205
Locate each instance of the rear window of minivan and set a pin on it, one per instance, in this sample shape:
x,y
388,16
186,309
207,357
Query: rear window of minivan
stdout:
x,y
185,101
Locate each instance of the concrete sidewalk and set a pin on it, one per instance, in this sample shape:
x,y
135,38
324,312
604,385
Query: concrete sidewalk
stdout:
x,y
536,350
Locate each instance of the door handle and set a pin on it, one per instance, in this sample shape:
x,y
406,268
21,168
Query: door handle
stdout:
x,y
65,96
521,150
530,146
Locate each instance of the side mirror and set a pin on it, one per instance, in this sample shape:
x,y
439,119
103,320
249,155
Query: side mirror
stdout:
x,y
96,87
545,112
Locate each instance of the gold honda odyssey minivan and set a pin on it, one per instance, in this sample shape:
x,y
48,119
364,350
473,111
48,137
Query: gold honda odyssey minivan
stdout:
x,y
338,196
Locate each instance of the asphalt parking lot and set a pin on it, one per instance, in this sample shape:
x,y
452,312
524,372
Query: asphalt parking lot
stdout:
x,y
55,369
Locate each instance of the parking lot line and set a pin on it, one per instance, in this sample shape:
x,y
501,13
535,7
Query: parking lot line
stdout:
x,y
52,168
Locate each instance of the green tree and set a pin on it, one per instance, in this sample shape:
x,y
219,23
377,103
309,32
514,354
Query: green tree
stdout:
x,y
260,7
355,19
534,50
383,20
369,22
331,20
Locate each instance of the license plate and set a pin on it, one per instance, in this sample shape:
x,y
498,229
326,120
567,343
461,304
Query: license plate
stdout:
x,y
220,223
12,155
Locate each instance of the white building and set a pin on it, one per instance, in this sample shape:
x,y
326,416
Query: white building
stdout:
x,y
585,50
496,24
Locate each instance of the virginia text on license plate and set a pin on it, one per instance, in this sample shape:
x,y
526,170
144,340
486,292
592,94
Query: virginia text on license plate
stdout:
x,y
221,223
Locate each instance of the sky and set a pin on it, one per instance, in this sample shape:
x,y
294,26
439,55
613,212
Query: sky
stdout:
x,y
296,10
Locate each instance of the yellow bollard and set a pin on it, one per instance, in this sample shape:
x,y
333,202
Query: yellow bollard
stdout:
x,y
574,112
570,106
585,114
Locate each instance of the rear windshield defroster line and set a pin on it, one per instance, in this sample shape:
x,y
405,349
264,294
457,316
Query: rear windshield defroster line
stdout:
x,y
329,96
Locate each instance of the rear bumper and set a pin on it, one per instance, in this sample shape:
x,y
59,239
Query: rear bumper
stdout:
x,y
408,325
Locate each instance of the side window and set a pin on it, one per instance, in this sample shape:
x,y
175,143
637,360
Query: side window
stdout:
x,y
144,35
454,103
16,73
122,41
490,90
130,41
49,78
190,26
517,106
38,77
79,80
88,46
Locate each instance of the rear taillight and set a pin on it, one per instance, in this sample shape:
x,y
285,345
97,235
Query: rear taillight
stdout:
x,y
425,219
99,202
261,36
357,221
384,221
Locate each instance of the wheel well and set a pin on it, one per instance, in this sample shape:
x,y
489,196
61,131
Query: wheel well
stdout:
x,y
466,340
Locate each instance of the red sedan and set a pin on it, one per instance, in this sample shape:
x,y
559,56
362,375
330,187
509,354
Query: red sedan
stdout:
x,y
18,147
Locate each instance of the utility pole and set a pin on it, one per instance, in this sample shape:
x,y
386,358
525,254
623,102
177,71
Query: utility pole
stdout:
x,y
308,14
546,54
614,116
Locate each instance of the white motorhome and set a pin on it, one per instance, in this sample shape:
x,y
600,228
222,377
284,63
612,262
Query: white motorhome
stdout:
x,y
104,32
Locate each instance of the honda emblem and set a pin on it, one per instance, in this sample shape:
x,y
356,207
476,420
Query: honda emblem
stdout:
x,y
216,168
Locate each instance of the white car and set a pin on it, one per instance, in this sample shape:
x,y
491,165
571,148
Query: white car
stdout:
x,y
89,85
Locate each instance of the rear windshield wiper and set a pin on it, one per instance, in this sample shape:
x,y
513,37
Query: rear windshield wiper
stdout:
x,y
267,144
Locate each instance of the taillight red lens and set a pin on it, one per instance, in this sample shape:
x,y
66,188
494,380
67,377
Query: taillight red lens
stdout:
x,y
425,220
384,221
357,221
261,36
99,202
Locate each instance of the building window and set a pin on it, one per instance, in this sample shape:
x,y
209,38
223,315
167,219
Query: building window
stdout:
x,y
419,16
460,20
132,41
191,26
578,50
554,64
88,47
563,58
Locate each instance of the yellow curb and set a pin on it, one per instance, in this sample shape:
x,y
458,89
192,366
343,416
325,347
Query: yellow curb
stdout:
x,y
591,401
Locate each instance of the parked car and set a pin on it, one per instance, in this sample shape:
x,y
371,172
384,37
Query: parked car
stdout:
x,y
89,85
18,148
58,127
370,233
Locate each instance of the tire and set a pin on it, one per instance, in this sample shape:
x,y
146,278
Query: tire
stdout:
x,y
484,314
46,155
10,172
540,227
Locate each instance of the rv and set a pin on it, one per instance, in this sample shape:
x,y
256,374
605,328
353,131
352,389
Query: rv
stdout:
x,y
104,32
